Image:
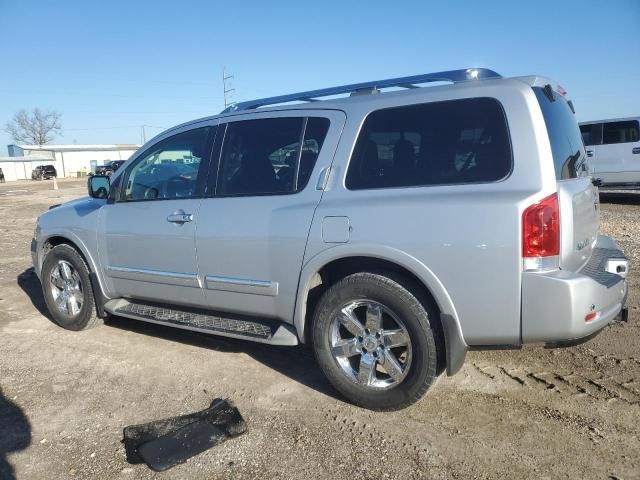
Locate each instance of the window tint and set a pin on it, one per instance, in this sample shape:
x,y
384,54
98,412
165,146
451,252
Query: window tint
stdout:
x,y
169,169
265,156
591,134
564,135
620,132
314,135
458,141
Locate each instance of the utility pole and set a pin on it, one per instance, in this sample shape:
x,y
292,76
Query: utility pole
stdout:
x,y
144,134
225,89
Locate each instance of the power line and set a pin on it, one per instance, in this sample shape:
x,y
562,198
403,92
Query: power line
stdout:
x,y
108,128
60,93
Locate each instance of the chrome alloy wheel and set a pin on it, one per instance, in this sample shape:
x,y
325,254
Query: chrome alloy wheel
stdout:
x,y
66,288
370,344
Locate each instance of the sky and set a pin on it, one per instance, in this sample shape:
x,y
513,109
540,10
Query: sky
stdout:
x,y
110,67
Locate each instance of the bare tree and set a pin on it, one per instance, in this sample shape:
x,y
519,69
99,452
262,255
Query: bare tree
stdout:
x,y
37,128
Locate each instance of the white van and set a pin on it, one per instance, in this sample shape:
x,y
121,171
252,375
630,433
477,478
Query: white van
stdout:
x,y
614,150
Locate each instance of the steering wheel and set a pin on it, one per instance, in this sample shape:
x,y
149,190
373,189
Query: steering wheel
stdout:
x,y
175,185
151,193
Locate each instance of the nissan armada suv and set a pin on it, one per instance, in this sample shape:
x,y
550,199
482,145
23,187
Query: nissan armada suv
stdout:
x,y
391,230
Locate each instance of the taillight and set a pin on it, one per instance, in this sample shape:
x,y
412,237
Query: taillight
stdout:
x,y
541,234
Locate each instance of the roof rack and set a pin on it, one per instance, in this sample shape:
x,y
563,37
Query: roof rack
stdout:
x,y
454,76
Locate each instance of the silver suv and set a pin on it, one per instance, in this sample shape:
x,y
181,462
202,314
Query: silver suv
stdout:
x,y
392,231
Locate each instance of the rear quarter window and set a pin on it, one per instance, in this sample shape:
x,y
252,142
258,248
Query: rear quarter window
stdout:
x,y
564,135
452,142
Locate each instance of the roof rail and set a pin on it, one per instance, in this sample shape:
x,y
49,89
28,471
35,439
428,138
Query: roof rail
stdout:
x,y
403,82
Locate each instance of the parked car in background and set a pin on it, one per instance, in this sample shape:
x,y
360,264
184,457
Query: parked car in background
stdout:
x,y
613,150
44,172
1,176
393,231
109,168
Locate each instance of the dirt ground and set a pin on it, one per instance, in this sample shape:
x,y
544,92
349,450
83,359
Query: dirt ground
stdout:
x,y
533,413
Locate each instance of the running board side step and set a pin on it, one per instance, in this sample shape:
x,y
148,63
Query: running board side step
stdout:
x,y
242,327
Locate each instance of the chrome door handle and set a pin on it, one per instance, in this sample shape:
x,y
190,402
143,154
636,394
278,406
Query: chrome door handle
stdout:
x,y
180,218
323,178
589,153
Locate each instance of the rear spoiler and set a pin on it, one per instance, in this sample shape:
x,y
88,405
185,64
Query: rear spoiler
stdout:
x,y
548,86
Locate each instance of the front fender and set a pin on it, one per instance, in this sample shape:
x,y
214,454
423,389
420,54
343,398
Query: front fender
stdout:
x,y
76,222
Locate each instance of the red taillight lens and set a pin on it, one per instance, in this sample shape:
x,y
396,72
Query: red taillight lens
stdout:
x,y
541,228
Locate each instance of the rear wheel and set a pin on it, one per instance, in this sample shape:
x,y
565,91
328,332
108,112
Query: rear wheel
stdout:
x,y
373,341
67,289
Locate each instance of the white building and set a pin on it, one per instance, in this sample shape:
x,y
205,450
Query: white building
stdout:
x,y
19,168
69,160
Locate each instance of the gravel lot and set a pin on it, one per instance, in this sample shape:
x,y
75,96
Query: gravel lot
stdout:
x,y
534,413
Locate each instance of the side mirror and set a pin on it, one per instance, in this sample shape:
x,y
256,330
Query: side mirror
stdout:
x,y
98,186
597,182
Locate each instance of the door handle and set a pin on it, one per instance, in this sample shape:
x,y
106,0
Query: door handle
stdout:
x,y
589,153
322,178
180,218
635,150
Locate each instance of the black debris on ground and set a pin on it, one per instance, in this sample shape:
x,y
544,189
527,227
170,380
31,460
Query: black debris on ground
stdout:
x,y
163,444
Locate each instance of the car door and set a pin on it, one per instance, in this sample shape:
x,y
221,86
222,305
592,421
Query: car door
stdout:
x,y
147,242
619,139
253,230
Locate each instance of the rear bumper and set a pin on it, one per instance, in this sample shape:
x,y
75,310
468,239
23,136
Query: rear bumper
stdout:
x,y
554,304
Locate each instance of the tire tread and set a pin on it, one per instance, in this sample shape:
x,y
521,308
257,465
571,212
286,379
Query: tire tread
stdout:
x,y
400,286
93,319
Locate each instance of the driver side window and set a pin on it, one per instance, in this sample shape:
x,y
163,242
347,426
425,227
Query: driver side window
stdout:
x,y
168,169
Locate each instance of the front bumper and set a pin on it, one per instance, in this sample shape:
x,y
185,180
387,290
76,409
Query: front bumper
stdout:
x,y
34,257
555,304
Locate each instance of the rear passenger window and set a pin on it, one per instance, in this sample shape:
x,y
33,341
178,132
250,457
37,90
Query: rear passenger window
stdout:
x,y
564,135
620,132
315,132
270,156
457,141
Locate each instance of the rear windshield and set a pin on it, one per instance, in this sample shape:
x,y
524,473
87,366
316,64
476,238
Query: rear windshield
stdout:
x,y
564,135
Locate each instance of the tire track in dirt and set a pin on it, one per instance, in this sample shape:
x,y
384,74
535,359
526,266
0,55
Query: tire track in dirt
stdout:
x,y
597,387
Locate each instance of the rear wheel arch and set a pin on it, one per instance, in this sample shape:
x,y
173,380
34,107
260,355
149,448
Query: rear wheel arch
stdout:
x,y
320,273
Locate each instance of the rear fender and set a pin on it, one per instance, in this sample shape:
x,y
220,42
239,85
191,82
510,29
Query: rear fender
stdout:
x,y
455,344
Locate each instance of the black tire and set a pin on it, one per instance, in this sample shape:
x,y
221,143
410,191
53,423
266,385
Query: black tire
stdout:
x,y
393,292
87,316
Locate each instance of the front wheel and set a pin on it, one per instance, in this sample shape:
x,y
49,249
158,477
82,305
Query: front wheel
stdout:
x,y
67,289
373,340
